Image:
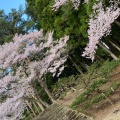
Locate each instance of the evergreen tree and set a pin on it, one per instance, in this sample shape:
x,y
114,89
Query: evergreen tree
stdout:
x,y
13,23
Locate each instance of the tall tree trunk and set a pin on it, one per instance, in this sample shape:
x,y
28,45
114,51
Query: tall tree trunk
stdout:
x,y
108,51
81,63
44,103
39,99
117,47
84,66
117,22
46,90
30,107
40,105
34,96
80,71
112,48
99,58
36,107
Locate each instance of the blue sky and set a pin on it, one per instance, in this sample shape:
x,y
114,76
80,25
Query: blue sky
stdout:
x,y
7,5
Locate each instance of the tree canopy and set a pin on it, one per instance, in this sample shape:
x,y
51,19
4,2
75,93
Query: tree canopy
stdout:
x,y
13,23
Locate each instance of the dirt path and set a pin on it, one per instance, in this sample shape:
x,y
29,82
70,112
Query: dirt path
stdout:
x,y
114,114
109,113
102,110
71,96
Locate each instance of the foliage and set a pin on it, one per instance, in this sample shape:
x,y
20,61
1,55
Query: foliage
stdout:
x,y
107,67
60,88
100,25
115,30
61,17
13,23
89,91
63,22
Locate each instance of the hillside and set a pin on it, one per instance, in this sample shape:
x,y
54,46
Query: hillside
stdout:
x,y
101,103
105,109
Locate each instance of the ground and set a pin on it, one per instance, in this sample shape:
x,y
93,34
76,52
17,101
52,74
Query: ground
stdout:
x,y
107,109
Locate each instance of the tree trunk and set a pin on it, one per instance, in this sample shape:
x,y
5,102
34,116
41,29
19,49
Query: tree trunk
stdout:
x,y
84,66
39,104
39,99
81,63
35,106
44,103
111,47
117,23
46,90
108,51
30,107
77,68
99,58
117,47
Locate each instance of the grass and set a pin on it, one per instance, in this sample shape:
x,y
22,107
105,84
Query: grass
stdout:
x,y
62,86
88,92
90,95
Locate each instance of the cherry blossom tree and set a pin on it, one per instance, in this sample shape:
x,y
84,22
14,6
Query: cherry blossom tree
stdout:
x,y
100,25
14,90
27,58
59,3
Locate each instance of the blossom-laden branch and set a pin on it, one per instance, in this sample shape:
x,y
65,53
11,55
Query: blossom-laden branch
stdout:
x,y
59,3
100,25
25,59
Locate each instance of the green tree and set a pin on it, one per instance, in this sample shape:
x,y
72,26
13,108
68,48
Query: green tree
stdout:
x,y
13,23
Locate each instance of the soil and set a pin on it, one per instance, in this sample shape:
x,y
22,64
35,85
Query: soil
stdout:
x,y
70,97
107,109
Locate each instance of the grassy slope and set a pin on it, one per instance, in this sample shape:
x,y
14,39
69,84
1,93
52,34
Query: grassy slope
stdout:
x,y
102,90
